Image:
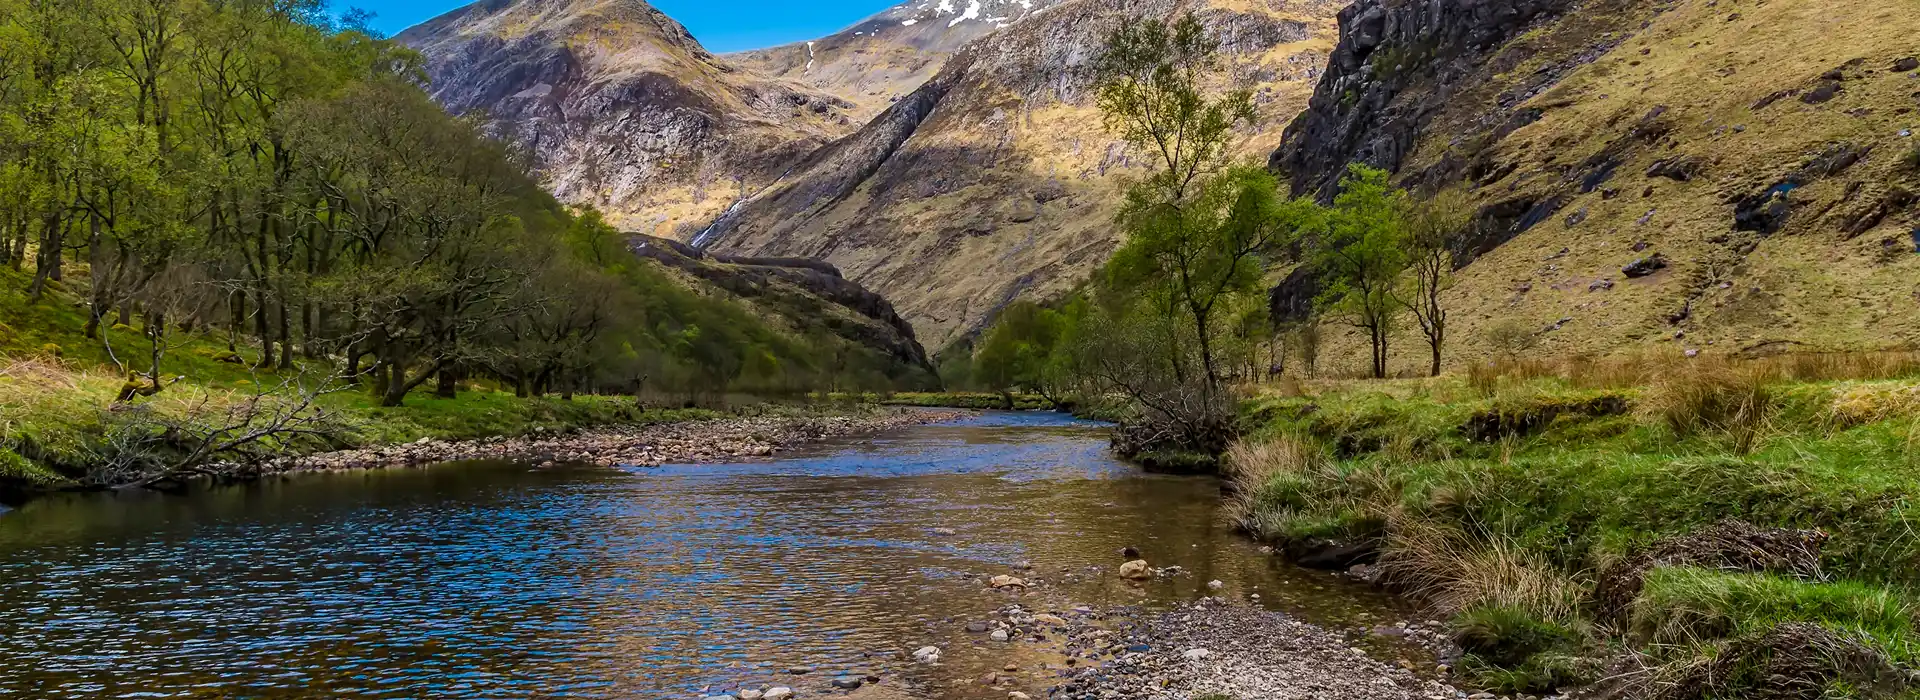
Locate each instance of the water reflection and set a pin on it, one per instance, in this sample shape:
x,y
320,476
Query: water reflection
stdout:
x,y
492,579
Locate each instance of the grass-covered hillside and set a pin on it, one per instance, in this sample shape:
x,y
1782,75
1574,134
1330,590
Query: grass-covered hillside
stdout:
x,y
1758,158
1671,527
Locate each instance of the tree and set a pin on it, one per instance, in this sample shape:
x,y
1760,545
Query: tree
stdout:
x,y
1363,255
1019,351
1431,229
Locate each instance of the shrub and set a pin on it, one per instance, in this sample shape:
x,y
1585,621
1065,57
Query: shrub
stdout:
x,y
1455,573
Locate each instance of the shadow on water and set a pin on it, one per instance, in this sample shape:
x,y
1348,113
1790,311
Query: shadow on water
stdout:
x,y
494,579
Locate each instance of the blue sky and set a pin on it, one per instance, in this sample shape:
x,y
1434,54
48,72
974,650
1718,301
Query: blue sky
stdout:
x,y
720,25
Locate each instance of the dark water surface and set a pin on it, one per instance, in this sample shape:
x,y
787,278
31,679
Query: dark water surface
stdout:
x,y
499,581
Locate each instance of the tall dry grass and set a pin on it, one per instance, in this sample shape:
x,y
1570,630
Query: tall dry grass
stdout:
x,y
1642,369
1714,396
1454,571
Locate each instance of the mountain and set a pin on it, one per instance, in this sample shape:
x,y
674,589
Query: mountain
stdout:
x,y
620,107
884,57
806,298
995,180
1740,174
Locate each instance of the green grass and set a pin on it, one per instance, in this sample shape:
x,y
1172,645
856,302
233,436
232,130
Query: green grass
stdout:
x,y
1682,606
1577,479
59,421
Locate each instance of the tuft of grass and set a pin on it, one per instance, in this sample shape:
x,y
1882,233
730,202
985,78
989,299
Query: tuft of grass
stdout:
x,y
1686,606
1456,572
1711,396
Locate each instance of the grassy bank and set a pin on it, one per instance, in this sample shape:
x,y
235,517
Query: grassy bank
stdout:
x,y
62,427
1698,528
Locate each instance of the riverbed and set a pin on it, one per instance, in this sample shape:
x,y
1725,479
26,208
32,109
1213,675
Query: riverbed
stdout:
x,y
500,579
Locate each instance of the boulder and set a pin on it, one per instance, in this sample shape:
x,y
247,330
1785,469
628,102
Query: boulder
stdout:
x,y
1136,569
1644,266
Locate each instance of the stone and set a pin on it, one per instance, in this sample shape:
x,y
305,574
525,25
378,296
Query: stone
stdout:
x,y
750,695
998,635
1644,266
978,627
777,693
800,670
1195,654
1046,619
1017,695
1136,569
1824,92
1005,581
925,655
943,531
847,682
1215,585
1906,64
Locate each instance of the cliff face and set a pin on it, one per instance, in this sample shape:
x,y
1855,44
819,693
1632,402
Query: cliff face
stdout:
x,y
1646,174
995,179
620,107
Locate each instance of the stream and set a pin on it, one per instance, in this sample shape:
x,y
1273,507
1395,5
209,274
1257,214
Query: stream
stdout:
x,y
493,580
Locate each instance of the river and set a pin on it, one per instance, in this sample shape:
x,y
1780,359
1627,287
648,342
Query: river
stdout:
x,y
501,580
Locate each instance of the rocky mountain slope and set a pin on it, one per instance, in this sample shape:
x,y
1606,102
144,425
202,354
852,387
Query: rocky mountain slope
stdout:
x,y
1648,174
995,179
884,57
621,107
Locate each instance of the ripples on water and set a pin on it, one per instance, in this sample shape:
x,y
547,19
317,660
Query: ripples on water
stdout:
x,y
495,580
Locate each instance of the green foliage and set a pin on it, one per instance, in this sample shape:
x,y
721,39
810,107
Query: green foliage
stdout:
x,y
1363,254
1023,350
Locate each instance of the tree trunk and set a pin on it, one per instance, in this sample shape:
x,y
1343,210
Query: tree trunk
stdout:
x,y
448,386
260,326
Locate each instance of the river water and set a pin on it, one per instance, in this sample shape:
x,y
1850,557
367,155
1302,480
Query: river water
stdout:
x,y
499,580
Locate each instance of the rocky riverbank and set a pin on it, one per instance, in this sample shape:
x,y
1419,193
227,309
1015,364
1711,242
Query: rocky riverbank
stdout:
x,y
1213,647
647,445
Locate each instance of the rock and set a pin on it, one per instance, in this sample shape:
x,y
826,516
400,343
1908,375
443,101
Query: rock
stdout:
x,y
1195,654
1017,695
1644,266
1825,91
1136,569
1679,169
1005,581
1215,585
1906,64
943,531
1053,620
1023,566
1600,284
847,682
998,635
978,627
750,695
800,670
925,655
777,693
717,697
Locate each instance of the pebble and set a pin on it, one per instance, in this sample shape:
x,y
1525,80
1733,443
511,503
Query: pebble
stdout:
x,y
777,693
636,445
847,682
